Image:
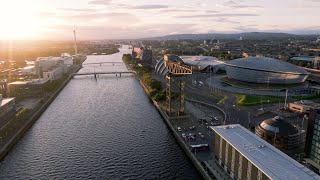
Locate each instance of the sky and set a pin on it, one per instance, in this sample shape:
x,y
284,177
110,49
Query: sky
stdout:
x,y
123,19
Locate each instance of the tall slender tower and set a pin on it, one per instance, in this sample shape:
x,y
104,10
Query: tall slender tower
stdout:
x,y
75,43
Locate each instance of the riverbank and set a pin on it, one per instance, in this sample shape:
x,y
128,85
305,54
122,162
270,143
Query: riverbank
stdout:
x,y
32,119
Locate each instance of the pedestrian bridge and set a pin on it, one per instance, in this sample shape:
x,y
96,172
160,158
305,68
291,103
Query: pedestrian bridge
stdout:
x,y
100,63
98,73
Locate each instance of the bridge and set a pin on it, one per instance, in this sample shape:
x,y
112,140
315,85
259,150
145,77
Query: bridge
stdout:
x,y
100,63
97,73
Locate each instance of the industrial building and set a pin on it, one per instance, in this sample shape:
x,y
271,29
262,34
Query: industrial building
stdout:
x,y
246,156
7,110
27,88
265,70
280,133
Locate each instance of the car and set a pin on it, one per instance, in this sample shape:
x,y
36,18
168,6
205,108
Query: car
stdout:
x,y
192,137
192,127
216,118
216,124
212,123
183,135
204,120
201,135
179,129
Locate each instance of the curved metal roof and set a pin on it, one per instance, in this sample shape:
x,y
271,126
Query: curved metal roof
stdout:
x,y
267,64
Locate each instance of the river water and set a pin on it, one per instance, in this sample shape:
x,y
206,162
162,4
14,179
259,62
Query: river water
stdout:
x,y
99,129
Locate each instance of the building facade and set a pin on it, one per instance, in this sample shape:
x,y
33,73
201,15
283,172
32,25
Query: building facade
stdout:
x,y
246,156
53,74
312,149
7,110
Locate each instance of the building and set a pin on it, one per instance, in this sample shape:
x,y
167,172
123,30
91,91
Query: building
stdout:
x,y
246,156
143,54
200,63
7,110
312,146
303,106
54,74
27,88
280,133
265,70
45,64
314,60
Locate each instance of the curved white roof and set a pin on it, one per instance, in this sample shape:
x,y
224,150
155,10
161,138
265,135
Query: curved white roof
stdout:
x,y
267,64
202,61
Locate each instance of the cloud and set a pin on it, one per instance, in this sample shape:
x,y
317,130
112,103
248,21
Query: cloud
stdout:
x,y
100,2
150,7
122,32
215,15
245,6
76,10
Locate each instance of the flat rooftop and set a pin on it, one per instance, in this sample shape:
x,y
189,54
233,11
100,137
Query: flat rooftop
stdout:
x,y
5,101
268,159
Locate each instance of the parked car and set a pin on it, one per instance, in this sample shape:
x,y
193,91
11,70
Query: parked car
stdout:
x,y
183,135
192,127
179,129
201,135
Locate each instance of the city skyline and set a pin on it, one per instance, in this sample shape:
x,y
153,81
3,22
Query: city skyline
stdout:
x,y
107,19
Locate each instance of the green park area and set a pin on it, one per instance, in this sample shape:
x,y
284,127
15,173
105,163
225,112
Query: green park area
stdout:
x,y
253,100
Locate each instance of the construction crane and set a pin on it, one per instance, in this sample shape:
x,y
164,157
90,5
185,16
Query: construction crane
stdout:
x,y
175,84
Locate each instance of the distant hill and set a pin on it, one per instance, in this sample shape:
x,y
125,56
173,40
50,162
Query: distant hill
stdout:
x,y
249,35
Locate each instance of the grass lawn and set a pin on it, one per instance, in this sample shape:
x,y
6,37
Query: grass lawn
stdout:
x,y
252,100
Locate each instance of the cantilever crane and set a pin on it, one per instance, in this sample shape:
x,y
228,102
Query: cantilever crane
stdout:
x,y
175,97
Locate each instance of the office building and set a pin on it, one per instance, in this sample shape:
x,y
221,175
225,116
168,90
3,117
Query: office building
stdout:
x,y
246,156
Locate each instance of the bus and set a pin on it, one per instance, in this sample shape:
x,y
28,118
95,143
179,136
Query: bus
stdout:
x,y
199,147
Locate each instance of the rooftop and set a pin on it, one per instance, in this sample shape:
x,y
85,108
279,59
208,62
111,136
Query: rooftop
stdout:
x,y
4,101
266,64
271,161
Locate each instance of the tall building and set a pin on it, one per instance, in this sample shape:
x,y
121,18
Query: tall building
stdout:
x,y
312,149
246,156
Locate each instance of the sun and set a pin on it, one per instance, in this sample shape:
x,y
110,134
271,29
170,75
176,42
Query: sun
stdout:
x,y
17,20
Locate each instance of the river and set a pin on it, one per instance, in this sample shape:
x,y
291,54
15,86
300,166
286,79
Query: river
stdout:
x,y
99,129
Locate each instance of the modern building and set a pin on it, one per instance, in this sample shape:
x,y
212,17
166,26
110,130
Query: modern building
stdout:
x,y
143,54
265,70
7,110
312,146
314,60
45,64
280,133
200,63
246,156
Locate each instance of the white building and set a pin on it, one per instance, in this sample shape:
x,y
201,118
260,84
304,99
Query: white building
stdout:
x,y
53,74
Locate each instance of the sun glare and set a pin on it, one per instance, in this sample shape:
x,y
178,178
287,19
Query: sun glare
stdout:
x,y
18,20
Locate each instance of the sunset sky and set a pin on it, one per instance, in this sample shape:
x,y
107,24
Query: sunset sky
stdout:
x,y
111,19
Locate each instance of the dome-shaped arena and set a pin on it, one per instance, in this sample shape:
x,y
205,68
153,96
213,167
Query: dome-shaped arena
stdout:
x,y
279,132
265,70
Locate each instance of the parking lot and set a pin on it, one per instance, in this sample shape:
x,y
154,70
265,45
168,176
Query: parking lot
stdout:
x,y
195,130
